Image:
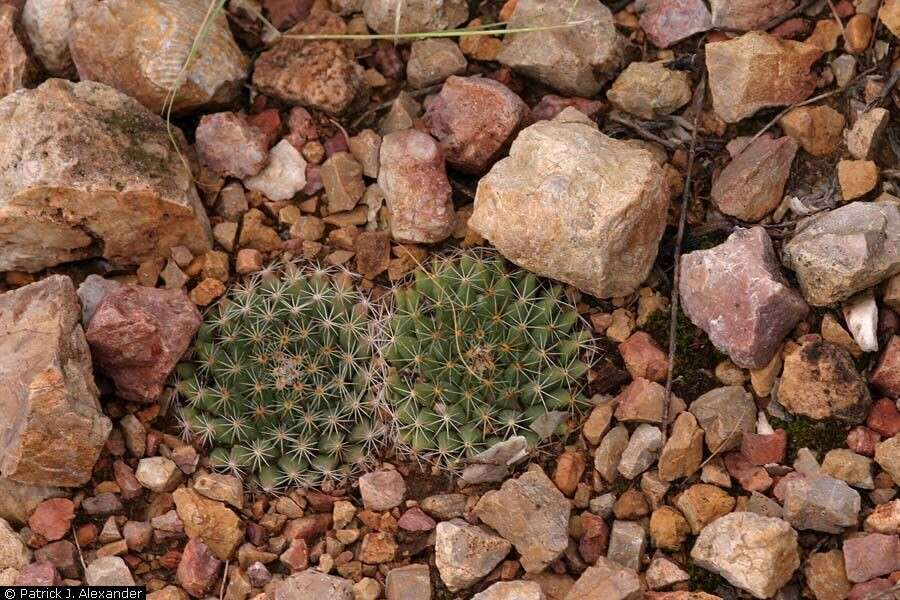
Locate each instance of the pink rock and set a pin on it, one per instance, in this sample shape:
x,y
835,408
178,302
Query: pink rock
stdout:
x,y
669,21
752,185
137,534
284,14
63,555
382,490
736,293
414,180
308,527
595,540
128,483
314,183
387,60
198,569
336,143
865,591
268,122
884,418
751,477
230,146
138,334
792,29
641,401
551,105
870,556
52,518
644,358
762,450
746,15
886,376
781,487
474,119
302,127
40,573
862,440
415,519
296,557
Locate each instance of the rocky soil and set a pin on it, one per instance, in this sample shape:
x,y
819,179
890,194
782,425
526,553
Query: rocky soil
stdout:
x,y
743,443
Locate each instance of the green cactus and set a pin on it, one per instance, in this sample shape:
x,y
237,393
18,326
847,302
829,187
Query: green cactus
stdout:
x,y
283,380
477,354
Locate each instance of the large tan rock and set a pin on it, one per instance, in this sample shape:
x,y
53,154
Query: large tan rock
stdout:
x,y
86,171
47,24
758,70
573,204
52,429
18,500
415,16
17,69
140,47
747,14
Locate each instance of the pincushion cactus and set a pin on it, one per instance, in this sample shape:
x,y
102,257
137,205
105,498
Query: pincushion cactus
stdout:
x,y
283,380
477,354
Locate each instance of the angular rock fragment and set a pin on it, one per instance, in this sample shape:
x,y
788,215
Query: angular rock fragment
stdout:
x,y
817,128
683,452
432,61
746,15
415,16
229,145
17,69
48,25
210,522
607,580
724,415
821,504
465,553
886,375
649,90
667,22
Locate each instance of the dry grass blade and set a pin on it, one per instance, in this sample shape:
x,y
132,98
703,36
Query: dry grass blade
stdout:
x,y
492,30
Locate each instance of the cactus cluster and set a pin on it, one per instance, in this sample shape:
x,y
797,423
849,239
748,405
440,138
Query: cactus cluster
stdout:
x,y
282,380
476,354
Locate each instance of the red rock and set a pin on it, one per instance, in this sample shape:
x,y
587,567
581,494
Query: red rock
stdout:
x,y
752,185
792,29
138,334
764,449
752,478
63,555
52,518
862,440
745,15
387,60
269,122
474,119
314,183
307,527
302,128
667,22
738,295
886,376
644,358
569,469
870,556
865,591
128,484
41,573
336,144
551,105
284,14
414,180
595,539
231,147
415,519
86,534
884,418
296,557
198,568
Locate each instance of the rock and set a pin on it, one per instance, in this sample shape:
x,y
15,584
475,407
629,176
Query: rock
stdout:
x,y
649,90
416,16
609,453
886,375
758,70
738,295
432,61
683,452
866,237
861,316
844,68
224,488
474,119
641,452
569,470
820,504
594,540
414,180
668,528
465,553
817,128
889,14
607,580
641,401
52,518
702,503
626,544
531,513
198,569
248,261
48,24
746,15
644,358
282,177
887,455
158,474
91,292
512,590
137,534
342,177
377,548
494,463
209,521
764,449
205,292
320,74
667,22
54,425
139,47
121,193
662,573
412,582
18,70
296,557
820,381
373,253
724,415
230,146
108,570
382,490
856,178
754,553
572,60
884,519
138,334
444,506
545,228
869,556
13,552
863,137
825,575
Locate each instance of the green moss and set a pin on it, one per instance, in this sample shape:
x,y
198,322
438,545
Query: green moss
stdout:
x,y
818,436
695,356
136,128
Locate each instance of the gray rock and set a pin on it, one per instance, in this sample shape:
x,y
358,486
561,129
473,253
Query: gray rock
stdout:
x,y
573,60
844,251
313,584
108,570
493,464
724,414
609,452
13,552
121,193
607,580
416,16
626,544
53,427
465,553
512,590
575,205
408,583
18,500
531,513
754,553
91,292
432,61
642,451
820,504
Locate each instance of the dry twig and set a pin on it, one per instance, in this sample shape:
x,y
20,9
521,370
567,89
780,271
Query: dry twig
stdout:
x,y
642,131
